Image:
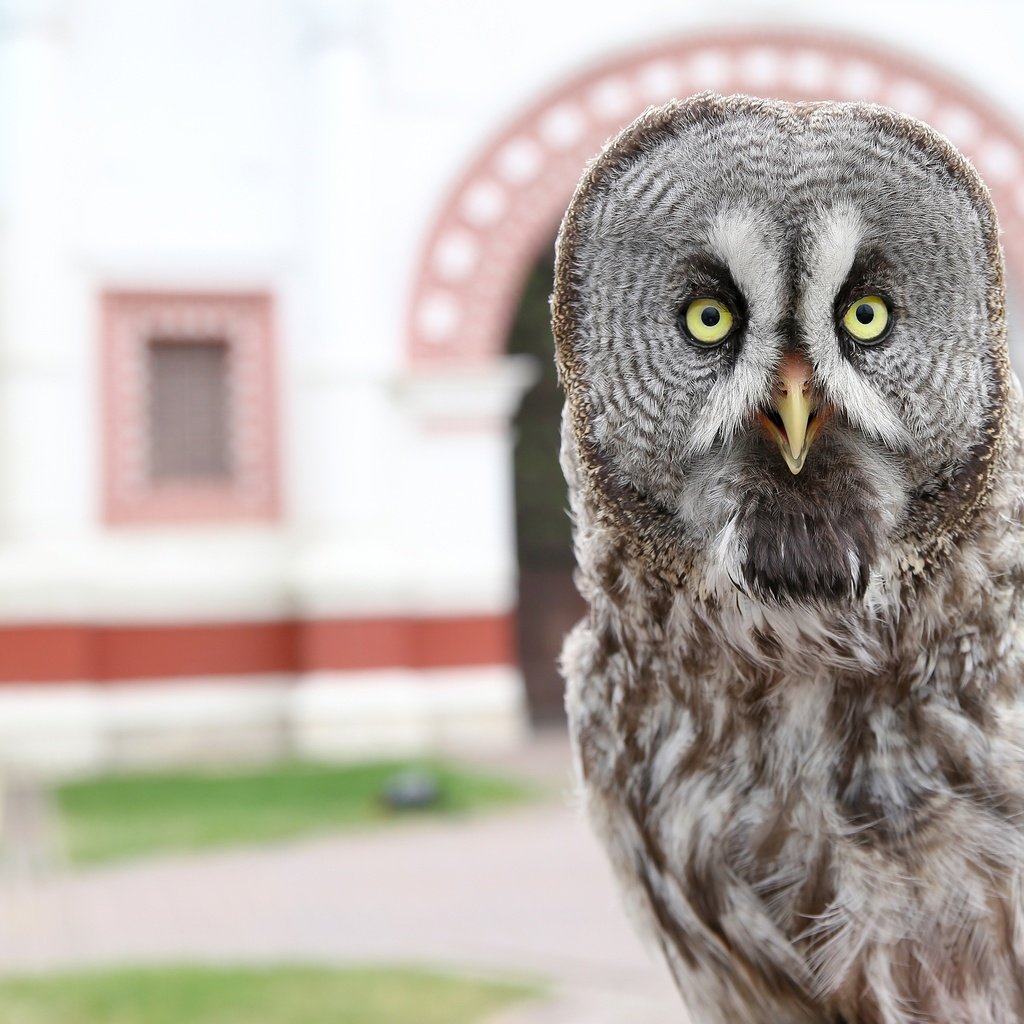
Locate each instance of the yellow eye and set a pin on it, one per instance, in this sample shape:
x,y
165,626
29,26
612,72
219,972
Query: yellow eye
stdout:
x,y
867,318
707,321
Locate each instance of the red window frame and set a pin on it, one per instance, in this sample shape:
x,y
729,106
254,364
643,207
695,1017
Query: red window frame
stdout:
x,y
244,320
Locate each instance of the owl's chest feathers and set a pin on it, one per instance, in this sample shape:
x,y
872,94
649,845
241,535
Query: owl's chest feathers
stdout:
x,y
881,750
829,800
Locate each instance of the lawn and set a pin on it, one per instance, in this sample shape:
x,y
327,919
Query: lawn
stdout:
x,y
287,995
123,816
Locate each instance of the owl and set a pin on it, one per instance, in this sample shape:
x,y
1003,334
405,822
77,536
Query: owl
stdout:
x,y
793,448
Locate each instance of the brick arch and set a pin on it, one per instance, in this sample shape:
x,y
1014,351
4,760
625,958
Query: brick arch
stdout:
x,y
508,202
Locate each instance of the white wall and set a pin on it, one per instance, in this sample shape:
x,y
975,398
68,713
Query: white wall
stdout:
x,y
304,147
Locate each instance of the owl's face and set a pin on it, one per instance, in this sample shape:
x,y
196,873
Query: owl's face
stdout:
x,y
783,326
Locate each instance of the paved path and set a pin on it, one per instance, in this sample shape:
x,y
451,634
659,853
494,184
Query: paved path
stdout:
x,y
524,892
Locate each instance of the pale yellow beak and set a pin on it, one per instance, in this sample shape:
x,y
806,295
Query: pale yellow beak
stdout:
x,y
798,408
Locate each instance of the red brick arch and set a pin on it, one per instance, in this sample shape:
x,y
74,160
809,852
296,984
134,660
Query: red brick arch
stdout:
x,y
508,202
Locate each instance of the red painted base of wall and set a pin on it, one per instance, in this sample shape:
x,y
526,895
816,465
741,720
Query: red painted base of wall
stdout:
x,y
62,653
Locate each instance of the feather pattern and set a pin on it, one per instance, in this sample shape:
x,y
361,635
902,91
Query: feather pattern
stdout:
x,y
796,703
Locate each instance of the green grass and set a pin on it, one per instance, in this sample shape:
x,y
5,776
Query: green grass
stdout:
x,y
129,815
285,995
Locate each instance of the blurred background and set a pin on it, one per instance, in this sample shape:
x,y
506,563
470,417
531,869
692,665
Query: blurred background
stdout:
x,y
284,554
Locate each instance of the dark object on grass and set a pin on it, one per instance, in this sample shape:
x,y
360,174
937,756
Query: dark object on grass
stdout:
x,y
411,790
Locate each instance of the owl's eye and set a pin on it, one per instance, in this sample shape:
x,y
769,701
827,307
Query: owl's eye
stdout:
x,y
867,319
706,321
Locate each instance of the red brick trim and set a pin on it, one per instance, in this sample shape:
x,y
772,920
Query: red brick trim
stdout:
x,y
49,653
245,323
414,643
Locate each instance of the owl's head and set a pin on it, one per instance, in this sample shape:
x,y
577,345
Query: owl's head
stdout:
x,y
781,332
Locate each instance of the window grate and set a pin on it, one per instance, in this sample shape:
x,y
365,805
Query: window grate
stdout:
x,y
188,410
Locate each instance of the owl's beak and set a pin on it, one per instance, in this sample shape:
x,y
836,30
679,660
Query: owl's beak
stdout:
x,y
798,417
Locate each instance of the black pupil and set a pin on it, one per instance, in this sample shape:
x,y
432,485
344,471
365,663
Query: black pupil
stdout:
x,y
709,316
865,313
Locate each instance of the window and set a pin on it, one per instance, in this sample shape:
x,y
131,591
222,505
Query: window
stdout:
x,y
188,404
189,415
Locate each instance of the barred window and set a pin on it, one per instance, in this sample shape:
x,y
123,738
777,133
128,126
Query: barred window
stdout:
x,y
188,409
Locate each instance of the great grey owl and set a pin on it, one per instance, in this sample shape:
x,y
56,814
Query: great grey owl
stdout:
x,y
793,447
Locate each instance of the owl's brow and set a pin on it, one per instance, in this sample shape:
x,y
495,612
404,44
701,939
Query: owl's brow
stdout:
x,y
870,270
704,274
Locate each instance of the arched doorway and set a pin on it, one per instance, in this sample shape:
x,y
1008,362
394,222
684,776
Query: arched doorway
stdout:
x,y
477,273
548,604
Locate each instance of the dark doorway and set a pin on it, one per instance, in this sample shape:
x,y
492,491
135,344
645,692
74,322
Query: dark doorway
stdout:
x,y
548,603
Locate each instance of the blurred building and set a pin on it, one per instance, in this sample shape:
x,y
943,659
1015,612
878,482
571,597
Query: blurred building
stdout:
x,y
263,340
